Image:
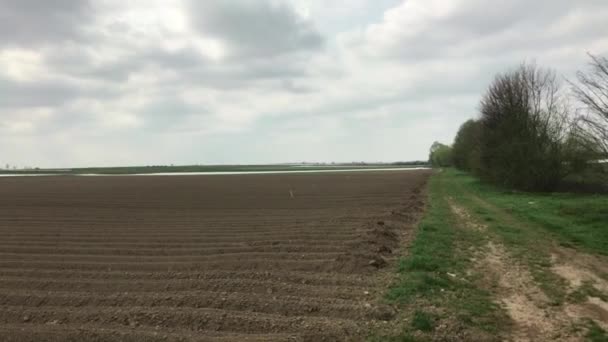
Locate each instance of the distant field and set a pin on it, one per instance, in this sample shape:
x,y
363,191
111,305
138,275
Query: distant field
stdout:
x,y
210,168
285,257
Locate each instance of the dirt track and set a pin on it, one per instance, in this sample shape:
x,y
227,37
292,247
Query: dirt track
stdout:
x,y
231,258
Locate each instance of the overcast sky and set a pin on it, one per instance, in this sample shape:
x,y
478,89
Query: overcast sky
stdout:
x,y
131,82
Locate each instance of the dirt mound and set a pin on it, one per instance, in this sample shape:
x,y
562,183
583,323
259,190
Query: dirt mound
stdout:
x,y
375,246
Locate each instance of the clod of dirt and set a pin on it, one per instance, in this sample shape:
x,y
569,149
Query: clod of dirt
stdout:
x,y
377,241
383,313
377,262
26,319
384,250
383,232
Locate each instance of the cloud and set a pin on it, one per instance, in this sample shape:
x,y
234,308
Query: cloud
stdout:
x,y
87,63
226,81
253,28
418,30
32,22
35,94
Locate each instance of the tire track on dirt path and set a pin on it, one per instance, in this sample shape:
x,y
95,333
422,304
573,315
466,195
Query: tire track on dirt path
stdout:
x,y
585,275
535,317
588,289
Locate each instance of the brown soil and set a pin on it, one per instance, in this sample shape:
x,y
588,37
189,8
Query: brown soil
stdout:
x,y
295,257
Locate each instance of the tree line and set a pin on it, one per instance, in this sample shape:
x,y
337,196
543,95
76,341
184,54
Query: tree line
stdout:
x,y
528,137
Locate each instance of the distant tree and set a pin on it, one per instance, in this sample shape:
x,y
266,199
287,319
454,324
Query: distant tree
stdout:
x,y
524,121
440,155
465,151
592,91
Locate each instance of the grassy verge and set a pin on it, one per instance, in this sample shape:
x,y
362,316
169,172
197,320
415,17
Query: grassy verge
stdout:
x,y
437,286
529,222
526,241
437,295
575,220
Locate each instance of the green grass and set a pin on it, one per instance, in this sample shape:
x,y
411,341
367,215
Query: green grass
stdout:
x,y
433,284
433,275
528,223
525,240
596,334
423,321
575,220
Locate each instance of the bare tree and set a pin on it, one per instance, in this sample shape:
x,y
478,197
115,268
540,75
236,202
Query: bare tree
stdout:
x,y
592,91
524,121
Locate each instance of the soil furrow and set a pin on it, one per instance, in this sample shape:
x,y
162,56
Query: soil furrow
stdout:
x,y
306,278
247,264
185,318
97,333
180,244
146,259
221,285
235,301
307,249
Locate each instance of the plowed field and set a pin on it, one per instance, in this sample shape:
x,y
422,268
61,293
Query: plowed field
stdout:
x,y
281,257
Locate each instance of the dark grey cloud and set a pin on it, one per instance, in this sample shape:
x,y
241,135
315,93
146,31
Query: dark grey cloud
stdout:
x,y
50,92
188,65
254,28
18,94
33,22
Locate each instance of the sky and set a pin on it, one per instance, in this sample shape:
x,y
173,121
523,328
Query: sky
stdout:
x,y
157,82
